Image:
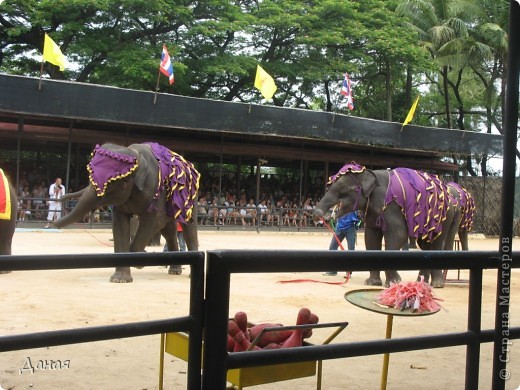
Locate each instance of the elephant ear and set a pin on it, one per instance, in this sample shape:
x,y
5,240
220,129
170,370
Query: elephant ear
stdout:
x,y
141,173
369,182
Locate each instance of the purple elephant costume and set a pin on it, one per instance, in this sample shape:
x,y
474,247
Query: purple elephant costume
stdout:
x,y
177,177
422,197
467,203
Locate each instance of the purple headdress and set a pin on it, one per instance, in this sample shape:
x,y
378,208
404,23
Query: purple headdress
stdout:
x,y
106,166
179,179
352,167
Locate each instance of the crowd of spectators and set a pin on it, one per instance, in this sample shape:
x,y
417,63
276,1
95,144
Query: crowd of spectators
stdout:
x,y
222,201
279,202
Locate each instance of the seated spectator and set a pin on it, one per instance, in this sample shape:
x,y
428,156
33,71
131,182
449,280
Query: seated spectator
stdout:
x,y
38,194
202,210
286,214
293,214
274,212
251,211
222,212
232,213
244,216
264,213
307,212
213,210
24,203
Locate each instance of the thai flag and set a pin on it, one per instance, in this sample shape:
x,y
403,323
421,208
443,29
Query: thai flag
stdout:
x,y
346,90
166,67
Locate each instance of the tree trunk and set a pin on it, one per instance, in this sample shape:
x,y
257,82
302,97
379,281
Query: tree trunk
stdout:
x,y
408,90
444,73
388,86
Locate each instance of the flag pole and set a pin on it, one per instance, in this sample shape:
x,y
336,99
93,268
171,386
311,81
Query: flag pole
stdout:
x,y
41,73
157,85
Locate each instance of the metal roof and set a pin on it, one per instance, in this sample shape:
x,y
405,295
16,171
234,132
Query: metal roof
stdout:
x,y
56,111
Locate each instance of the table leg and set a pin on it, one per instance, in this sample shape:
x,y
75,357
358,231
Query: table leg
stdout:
x,y
386,357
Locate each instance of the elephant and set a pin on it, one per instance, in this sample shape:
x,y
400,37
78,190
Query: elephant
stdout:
x,y
145,180
396,204
8,208
464,204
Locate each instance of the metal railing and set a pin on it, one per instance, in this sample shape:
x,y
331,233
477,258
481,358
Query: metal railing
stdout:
x,y
192,323
221,264
220,217
214,309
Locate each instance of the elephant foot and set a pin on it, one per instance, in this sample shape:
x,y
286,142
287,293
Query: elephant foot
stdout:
x,y
424,276
175,270
392,277
121,277
388,283
371,281
437,284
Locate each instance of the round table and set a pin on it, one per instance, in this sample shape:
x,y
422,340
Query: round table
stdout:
x,y
366,299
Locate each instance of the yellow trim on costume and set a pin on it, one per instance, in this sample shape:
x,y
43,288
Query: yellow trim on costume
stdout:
x,y
6,213
101,192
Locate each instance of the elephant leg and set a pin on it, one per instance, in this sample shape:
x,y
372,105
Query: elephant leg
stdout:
x,y
121,233
395,238
169,233
145,232
373,241
437,275
5,248
191,235
451,229
437,278
463,237
392,277
424,275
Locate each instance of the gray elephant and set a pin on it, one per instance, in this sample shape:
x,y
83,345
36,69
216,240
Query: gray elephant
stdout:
x,y
464,209
396,204
464,204
8,208
147,180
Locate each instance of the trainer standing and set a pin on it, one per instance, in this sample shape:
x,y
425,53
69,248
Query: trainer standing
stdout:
x,y
56,191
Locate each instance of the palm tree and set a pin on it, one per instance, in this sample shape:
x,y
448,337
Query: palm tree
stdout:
x,y
437,23
467,37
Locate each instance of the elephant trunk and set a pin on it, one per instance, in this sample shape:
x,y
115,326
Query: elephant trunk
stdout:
x,y
323,206
86,203
317,214
74,195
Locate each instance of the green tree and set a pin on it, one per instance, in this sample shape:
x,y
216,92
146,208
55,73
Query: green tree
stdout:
x,y
467,39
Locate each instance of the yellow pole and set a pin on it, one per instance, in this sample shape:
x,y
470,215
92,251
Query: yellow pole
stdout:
x,y
386,358
161,362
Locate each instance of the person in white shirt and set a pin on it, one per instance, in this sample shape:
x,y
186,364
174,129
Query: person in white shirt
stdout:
x,y
264,212
56,191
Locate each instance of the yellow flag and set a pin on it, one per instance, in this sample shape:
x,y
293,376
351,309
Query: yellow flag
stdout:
x,y
52,53
264,83
409,117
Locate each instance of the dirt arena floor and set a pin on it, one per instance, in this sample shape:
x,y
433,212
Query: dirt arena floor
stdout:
x,y
33,301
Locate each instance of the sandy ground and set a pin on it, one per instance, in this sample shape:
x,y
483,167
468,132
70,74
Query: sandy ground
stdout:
x,y
34,301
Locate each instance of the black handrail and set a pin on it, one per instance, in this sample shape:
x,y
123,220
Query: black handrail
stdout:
x,y
193,323
221,264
